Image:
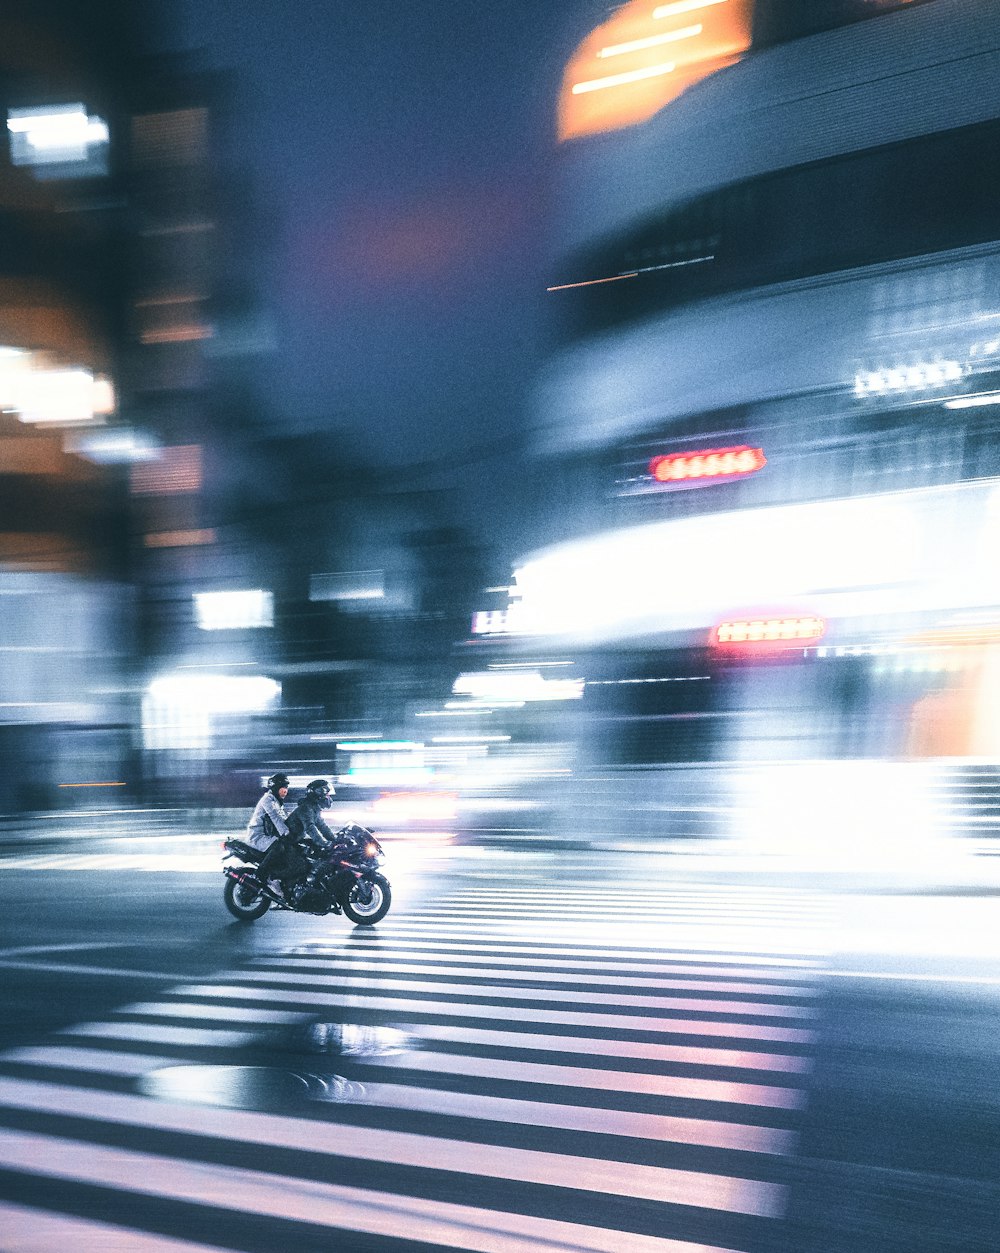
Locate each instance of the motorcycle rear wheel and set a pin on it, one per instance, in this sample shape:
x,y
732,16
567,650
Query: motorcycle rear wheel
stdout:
x,y
367,912
245,901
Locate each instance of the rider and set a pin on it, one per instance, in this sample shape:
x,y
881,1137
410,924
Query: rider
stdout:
x,y
269,832
306,822
306,818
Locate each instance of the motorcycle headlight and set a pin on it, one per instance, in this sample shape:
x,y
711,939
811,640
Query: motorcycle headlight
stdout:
x,y
371,850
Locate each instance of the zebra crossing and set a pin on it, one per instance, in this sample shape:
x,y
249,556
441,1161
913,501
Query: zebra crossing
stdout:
x,y
578,1067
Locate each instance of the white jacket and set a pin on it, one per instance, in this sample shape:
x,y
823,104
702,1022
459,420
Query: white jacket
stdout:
x,y
267,822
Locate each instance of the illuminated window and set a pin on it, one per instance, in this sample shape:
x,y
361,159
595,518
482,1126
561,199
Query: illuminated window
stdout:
x,y
59,141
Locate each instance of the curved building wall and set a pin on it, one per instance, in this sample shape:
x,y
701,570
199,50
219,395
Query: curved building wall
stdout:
x,y
909,73
819,210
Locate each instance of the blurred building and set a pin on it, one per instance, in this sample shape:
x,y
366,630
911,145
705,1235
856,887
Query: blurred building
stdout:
x,y
120,307
769,439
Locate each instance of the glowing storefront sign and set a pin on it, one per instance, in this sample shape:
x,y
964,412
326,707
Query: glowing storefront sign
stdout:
x,y
712,463
771,630
644,56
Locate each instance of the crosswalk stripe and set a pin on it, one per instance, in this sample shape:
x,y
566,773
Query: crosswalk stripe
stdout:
x,y
662,1184
635,941
29,1230
685,1054
602,1080
331,1205
627,981
433,959
391,936
95,1061
363,985
709,1133
510,1013
375,941
139,1031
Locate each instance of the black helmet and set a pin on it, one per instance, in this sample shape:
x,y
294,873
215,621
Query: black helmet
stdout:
x,y
320,788
277,781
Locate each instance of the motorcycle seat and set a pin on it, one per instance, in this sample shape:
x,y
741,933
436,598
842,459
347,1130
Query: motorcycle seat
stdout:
x,y
244,850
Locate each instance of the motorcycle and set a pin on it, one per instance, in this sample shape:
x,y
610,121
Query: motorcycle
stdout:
x,y
343,877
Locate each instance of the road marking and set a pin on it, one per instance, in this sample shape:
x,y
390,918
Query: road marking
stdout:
x,y
433,960
450,1009
517,992
434,931
719,1090
628,981
27,1230
162,1035
685,1054
505,1110
49,1155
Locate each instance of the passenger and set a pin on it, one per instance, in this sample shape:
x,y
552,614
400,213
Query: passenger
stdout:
x,y
269,832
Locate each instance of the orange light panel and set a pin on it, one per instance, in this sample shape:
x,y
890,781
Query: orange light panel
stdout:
x,y
777,630
712,463
644,57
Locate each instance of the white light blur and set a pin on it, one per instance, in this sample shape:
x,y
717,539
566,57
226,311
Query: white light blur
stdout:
x,y
217,693
462,706
416,806
379,746
512,685
389,776
237,610
907,378
856,555
40,395
470,739
651,41
684,6
178,710
62,133
115,446
618,80
973,402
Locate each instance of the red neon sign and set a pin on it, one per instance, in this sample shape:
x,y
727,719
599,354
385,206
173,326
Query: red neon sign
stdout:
x,y
712,463
776,630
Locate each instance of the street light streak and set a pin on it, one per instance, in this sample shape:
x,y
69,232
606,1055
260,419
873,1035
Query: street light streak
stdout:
x,y
617,80
591,282
675,265
973,401
651,41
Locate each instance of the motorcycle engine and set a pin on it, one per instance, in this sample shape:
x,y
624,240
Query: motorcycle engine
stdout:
x,y
312,900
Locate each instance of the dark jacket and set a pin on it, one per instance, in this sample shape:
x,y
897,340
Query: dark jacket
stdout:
x,y
305,820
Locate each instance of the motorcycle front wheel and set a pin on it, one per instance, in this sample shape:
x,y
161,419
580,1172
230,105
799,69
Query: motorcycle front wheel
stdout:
x,y
368,901
245,901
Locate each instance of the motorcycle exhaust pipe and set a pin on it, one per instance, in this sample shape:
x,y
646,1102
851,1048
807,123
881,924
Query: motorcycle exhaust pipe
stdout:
x,y
241,877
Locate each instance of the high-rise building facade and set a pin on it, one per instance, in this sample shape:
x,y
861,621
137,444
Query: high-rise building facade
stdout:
x,y
769,437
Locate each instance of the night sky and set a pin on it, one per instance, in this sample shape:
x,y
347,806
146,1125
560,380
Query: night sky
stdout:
x,y
409,150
